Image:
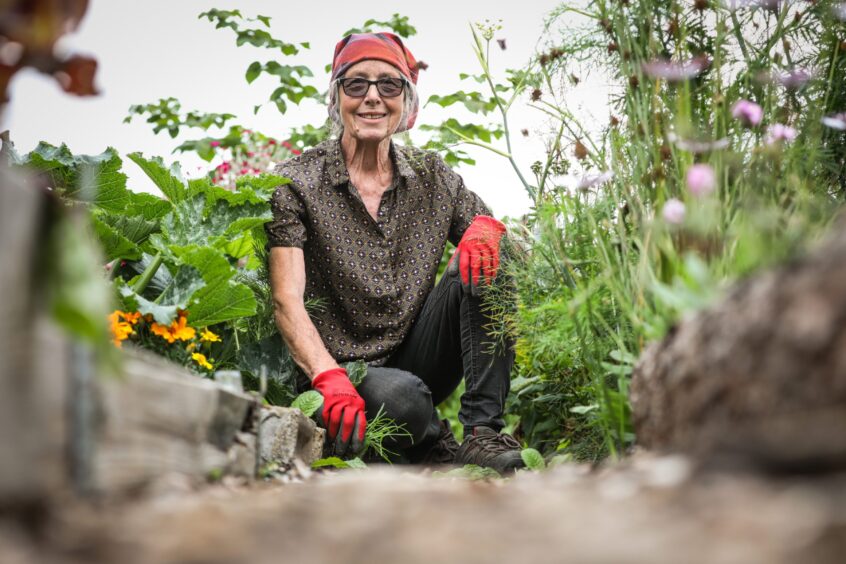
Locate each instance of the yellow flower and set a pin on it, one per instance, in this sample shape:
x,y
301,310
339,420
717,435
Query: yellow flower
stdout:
x,y
121,330
208,337
201,360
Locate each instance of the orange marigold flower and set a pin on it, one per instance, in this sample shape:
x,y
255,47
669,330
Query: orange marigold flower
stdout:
x,y
208,337
177,330
121,330
132,317
181,330
162,331
201,360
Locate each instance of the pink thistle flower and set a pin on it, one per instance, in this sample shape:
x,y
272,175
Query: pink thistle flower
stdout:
x,y
701,179
673,212
676,71
215,143
749,113
835,121
793,79
778,133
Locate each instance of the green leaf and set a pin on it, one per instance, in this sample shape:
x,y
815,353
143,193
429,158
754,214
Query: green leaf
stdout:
x,y
356,371
330,462
114,244
168,180
148,206
133,227
253,71
470,472
179,294
473,101
221,299
89,178
308,402
532,459
356,463
582,409
335,462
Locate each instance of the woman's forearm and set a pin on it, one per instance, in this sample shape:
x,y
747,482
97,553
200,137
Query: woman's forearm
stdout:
x,y
301,337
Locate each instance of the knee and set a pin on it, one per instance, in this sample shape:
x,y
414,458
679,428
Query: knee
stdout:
x,y
406,400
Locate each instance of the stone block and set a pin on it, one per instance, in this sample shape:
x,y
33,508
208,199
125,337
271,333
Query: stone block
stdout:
x,y
287,434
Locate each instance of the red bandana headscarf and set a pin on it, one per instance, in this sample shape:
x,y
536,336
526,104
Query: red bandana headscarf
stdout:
x,y
383,46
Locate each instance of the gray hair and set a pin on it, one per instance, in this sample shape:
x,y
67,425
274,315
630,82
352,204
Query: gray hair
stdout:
x,y
408,104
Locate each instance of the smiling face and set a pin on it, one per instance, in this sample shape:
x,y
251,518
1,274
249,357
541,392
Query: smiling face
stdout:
x,y
371,118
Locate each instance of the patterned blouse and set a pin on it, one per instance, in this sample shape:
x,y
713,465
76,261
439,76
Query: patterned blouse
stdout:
x,y
369,277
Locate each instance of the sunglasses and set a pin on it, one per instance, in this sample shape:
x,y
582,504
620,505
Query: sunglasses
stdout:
x,y
358,87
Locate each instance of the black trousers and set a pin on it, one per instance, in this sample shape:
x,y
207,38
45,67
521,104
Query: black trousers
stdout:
x,y
450,340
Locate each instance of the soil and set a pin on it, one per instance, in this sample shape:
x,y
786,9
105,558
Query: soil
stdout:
x,y
647,509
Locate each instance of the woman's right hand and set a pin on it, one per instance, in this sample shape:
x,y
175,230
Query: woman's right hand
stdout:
x,y
343,410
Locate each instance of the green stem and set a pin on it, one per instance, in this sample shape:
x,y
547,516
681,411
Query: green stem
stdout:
x,y
141,284
487,72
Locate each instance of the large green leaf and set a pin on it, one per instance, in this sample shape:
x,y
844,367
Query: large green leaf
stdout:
x,y
179,294
148,206
89,178
114,244
168,180
134,228
221,299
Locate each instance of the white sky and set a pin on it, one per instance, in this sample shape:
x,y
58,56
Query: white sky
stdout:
x,y
160,48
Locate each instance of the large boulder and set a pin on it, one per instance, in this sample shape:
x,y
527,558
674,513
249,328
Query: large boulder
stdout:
x,y
760,376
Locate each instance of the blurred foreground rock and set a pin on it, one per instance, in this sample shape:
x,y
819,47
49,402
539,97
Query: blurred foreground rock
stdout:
x,y
648,510
759,378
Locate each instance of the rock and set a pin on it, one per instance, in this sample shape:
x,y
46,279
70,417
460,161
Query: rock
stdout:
x,y
760,377
287,434
158,418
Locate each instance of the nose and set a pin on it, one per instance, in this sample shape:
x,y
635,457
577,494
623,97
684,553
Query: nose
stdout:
x,y
372,93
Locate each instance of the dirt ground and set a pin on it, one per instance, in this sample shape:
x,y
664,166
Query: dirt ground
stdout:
x,y
650,509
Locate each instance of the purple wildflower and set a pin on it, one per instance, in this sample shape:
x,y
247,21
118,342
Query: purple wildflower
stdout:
x,y
701,179
676,71
794,79
749,113
673,211
778,133
835,121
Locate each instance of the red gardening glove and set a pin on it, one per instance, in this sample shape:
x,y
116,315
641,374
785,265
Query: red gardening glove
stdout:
x,y
343,409
477,254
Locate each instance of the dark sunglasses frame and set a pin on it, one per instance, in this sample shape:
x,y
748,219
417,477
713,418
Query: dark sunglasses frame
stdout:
x,y
344,82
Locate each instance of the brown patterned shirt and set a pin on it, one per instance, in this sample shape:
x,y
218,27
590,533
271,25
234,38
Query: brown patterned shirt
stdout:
x,y
369,276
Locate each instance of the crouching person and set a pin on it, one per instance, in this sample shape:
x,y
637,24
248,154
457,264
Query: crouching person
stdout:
x,y
361,229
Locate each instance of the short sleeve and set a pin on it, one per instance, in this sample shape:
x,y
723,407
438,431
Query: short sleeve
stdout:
x,y
466,204
287,228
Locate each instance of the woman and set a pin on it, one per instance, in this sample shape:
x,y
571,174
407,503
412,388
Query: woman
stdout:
x,y
361,229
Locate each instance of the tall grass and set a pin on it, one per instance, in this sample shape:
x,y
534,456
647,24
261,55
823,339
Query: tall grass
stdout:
x,y
614,263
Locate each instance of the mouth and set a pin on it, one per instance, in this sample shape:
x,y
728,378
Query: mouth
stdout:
x,y
372,116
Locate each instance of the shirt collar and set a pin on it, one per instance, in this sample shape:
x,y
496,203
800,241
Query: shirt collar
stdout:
x,y
335,167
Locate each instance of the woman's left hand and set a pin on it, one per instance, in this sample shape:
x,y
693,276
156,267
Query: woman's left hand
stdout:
x,y
476,257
